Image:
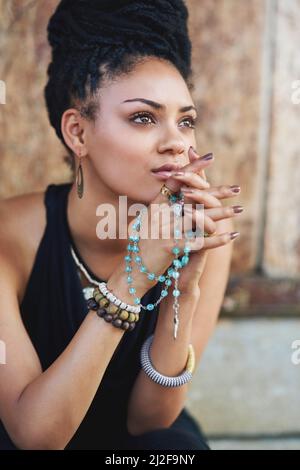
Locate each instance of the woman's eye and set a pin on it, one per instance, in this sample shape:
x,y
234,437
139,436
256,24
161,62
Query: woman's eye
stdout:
x,y
191,121
145,117
141,116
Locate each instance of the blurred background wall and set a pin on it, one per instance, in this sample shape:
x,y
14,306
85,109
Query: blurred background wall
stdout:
x,y
246,67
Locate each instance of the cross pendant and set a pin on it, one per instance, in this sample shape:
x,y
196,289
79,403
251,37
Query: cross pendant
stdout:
x,y
176,325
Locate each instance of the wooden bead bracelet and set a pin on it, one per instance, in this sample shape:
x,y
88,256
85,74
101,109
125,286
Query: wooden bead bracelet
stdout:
x,y
107,310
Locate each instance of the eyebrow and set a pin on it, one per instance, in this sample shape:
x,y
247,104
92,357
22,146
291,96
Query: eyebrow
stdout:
x,y
156,105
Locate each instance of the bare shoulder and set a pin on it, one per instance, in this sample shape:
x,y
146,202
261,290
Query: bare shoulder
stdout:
x,y
23,221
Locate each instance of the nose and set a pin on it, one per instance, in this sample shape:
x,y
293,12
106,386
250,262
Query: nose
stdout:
x,y
173,147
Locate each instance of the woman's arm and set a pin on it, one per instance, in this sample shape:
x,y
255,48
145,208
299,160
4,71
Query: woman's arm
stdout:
x,y
153,406
212,285
42,410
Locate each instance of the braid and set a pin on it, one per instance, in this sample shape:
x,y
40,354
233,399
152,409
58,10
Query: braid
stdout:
x,y
92,40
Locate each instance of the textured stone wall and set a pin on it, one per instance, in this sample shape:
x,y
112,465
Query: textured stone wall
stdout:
x,y
245,60
245,57
30,154
282,234
227,43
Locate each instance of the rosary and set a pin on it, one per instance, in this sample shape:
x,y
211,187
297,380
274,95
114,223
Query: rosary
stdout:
x,y
176,202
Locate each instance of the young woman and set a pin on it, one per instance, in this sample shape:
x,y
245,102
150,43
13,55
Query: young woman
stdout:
x,y
118,97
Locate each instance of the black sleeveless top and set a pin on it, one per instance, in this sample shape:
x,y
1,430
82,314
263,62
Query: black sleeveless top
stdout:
x,y
52,310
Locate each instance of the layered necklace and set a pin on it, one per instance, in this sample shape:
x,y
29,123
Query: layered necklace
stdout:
x,y
87,291
177,202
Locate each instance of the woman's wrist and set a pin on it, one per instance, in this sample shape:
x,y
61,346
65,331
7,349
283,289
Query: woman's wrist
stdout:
x,y
119,286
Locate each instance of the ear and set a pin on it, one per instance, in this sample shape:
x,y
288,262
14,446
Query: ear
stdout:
x,y
73,131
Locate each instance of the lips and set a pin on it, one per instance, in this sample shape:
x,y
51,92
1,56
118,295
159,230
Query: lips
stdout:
x,y
167,167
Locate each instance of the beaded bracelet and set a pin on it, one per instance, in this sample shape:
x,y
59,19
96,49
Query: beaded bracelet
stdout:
x,y
111,313
165,380
107,293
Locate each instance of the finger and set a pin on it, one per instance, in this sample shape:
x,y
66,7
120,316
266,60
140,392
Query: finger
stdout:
x,y
194,167
202,173
192,154
201,197
193,157
199,219
225,191
213,241
209,225
192,180
197,164
219,192
224,212
219,240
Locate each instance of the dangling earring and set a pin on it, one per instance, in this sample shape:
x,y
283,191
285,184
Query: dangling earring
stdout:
x,y
79,178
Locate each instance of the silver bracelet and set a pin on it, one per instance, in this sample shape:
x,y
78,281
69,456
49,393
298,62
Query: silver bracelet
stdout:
x,y
154,375
110,296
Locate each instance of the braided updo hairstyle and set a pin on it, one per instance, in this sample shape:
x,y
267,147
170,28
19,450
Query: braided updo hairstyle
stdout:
x,y
95,40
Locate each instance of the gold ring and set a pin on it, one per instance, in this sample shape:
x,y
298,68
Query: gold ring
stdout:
x,y
165,191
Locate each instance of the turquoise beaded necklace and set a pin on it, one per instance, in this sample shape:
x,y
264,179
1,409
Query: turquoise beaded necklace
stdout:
x,y
176,201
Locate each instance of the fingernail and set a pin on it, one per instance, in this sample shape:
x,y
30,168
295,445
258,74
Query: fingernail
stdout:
x,y
208,156
237,209
185,189
235,188
178,173
194,151
233,235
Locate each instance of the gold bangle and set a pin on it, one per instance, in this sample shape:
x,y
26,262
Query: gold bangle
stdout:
x,y
190,364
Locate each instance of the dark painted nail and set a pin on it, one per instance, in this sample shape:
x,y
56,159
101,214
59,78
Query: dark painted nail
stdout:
x,y
208,156
233,235
235,188
237,209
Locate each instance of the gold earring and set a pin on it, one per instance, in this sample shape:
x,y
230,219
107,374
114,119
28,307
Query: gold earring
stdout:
x,y
79,178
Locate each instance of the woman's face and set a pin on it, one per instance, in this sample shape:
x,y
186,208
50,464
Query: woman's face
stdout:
x,y
130,138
